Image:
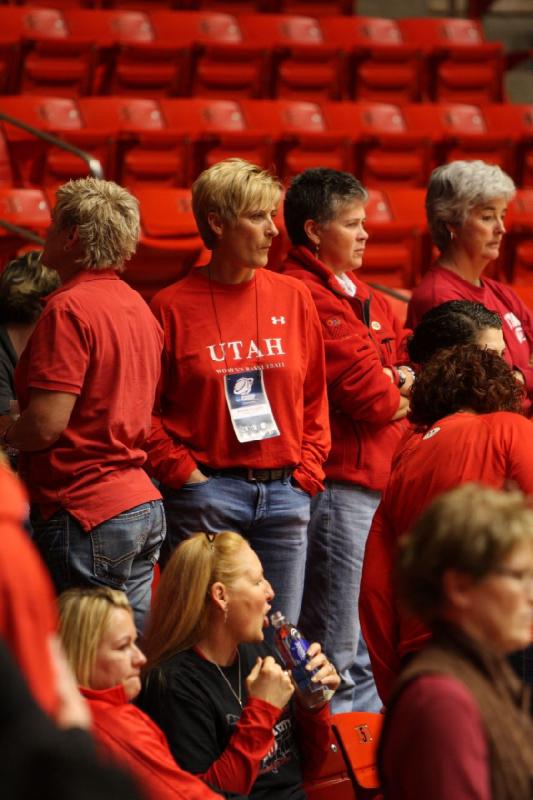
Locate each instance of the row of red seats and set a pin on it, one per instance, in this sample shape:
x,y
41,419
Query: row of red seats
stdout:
x,y
313,8
167,142
398,251
202,53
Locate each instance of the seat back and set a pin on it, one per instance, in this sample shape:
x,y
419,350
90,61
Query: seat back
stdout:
x,y
358,736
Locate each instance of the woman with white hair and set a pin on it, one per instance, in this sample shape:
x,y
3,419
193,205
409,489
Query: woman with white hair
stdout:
x,y
466,203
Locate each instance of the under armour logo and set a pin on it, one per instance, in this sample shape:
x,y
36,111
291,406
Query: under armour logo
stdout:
x,y
278,320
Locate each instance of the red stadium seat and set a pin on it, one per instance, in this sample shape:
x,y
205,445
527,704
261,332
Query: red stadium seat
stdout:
x,y
332,782
460,66
388,152
317,8
358,736
304,66
110,30
301,135
220,62
461,131
394,248
37,163
519,240
218,129
516,122
170,244
27,208
379,64
52,61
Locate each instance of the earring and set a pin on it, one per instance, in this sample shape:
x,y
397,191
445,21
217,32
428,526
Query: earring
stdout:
x,y
317,251
452,236
225,614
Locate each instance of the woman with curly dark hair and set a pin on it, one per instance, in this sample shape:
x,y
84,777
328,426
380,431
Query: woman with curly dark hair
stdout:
x,y
468,427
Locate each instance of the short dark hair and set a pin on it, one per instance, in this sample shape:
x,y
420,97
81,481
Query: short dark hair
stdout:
x,y
317,194
464,377
23,283
449,324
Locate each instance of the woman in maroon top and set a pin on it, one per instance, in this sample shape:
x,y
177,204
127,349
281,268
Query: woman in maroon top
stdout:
x,y
466,204
458,724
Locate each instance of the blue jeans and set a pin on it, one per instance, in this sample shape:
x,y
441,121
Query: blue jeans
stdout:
x,y
120,553
340,520
272,516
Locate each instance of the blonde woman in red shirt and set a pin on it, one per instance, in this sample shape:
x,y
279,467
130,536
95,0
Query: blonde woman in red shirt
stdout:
x,y
240,429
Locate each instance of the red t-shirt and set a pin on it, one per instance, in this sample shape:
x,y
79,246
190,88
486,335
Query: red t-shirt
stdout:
x,y
28,615
215,329
136,742
97,339
490,449
440,285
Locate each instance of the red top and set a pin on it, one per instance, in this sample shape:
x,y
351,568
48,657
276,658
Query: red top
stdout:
x,y
361,336
435,745
212,329
440,285
28,616
131,736
490,449
98,340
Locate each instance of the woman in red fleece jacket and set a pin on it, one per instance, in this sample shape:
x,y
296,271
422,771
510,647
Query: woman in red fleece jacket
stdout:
x,y
217,691
325,217
99,637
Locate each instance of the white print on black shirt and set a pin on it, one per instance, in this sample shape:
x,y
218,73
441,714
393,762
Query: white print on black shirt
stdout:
x,y
284,748
516,326
272,347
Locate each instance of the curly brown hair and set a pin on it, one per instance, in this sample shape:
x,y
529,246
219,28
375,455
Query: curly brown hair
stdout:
x,y
464,377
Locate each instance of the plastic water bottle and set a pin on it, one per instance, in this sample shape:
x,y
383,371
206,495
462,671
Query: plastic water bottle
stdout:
x,y
293,648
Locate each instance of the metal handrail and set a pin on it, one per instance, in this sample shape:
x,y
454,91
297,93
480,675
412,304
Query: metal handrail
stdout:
x,y
24,233
93,164
387,290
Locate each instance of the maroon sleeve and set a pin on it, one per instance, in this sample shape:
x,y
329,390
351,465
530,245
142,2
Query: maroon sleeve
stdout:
x,y
434,744
525,315
313,735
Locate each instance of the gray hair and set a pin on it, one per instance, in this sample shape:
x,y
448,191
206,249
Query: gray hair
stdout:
x,y
455,189
107,219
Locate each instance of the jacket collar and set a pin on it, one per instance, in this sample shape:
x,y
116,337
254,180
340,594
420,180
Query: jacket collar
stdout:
x,y
304,258
115,696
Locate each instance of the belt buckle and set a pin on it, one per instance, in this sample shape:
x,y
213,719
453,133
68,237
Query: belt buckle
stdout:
x,y
250,475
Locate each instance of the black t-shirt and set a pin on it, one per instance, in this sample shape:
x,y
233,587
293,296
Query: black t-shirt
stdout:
x,y
194,706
